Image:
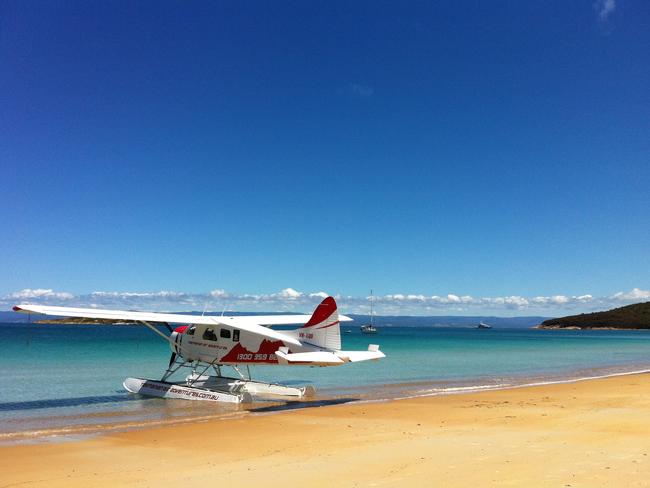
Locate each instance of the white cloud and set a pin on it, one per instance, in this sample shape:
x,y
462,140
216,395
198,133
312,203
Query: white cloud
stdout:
x,y
290,293
218,293
318,294
633,295
516,301
131,294
28,293
559,299
290,299
604,8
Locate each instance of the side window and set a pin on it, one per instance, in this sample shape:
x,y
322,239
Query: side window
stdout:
x,y
235,335
209,335
225,333
191,330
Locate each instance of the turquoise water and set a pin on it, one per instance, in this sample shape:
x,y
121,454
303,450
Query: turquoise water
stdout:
x,y
62,377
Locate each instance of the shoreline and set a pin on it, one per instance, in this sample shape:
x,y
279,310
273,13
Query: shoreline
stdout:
x,y
578,327
585,432
389,393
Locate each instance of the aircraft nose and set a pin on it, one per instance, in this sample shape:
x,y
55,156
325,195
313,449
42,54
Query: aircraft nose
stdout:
x,y
180,329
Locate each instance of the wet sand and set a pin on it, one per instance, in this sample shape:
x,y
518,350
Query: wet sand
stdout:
x,y
589,433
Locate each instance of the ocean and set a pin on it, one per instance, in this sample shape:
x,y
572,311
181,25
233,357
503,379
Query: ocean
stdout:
x,y
62,381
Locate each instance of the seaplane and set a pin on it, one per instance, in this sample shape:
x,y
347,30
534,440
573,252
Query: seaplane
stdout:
x,y
204,345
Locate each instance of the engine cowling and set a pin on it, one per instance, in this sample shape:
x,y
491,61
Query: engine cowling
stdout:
x,y
176,339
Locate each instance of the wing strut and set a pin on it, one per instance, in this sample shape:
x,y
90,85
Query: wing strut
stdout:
x,y
153,328
150,326
172,359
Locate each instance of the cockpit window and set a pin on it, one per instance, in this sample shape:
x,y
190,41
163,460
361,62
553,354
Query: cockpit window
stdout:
x,y
209,335
191,330
225,333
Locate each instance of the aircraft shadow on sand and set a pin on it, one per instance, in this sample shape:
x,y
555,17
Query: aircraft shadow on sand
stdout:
x,y
296,405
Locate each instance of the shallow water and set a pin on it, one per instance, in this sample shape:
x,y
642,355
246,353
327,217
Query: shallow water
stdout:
x,y
67,379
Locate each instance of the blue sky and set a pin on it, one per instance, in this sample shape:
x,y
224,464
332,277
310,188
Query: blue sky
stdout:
x,y
488,150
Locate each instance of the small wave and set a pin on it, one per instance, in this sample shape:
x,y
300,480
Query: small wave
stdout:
x,y
399,392
63,402
59,434
504,386
461,389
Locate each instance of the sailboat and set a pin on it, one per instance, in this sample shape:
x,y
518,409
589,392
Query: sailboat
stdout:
x,y
369,328
483,325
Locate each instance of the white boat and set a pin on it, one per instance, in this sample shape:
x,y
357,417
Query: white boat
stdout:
x,y
370,328
483,325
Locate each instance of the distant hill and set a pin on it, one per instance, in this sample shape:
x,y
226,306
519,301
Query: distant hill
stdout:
x,y
636,316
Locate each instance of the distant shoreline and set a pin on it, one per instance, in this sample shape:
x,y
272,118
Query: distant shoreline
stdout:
x,y
590,327
630,317
83,321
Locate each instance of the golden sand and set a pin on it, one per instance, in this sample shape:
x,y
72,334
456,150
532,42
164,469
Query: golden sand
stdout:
x,y
590,433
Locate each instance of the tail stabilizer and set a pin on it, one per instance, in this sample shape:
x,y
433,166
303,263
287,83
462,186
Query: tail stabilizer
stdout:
x,y
372,354
322,329
328,358
320,358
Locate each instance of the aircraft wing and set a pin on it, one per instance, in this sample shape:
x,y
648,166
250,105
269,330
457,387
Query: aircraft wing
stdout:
x,y
268,320
248,323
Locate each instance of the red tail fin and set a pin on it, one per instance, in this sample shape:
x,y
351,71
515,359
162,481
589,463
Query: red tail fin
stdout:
x,y
323,312
323,327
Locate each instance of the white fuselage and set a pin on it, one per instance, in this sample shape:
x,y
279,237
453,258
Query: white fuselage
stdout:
x,y
221,344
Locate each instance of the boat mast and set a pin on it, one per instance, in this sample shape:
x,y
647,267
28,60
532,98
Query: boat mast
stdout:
x,y
371,313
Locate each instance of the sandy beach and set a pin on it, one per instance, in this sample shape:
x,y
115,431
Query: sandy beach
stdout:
x,y
589,433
